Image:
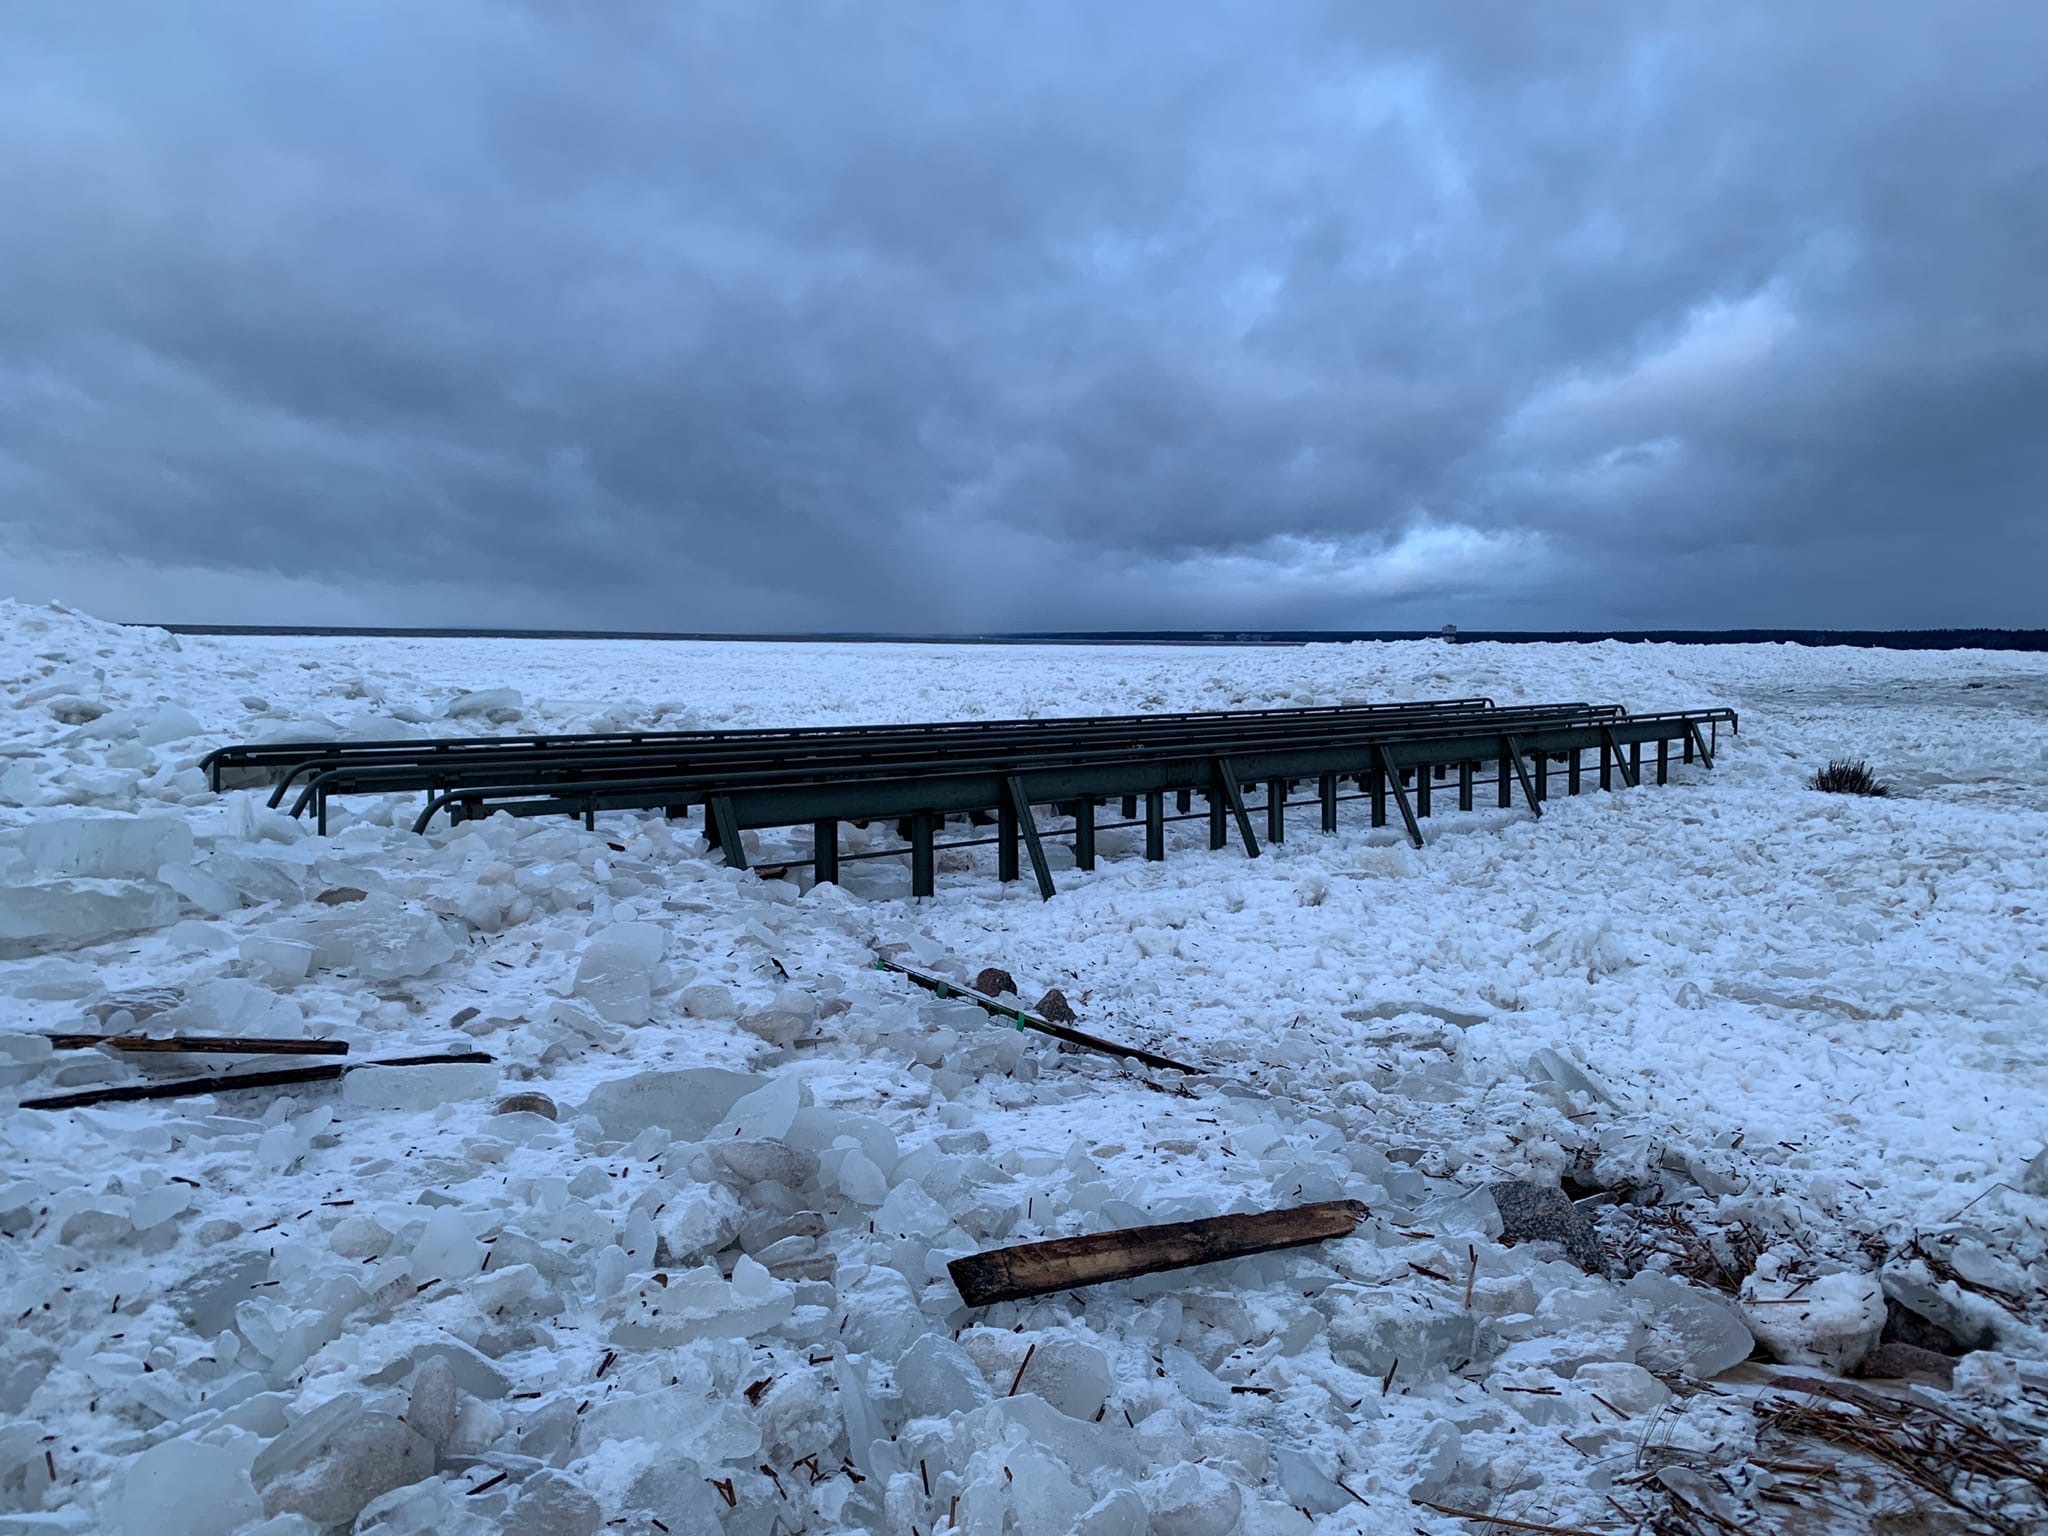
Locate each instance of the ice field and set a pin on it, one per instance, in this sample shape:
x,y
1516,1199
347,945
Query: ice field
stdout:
x,y
1788,1051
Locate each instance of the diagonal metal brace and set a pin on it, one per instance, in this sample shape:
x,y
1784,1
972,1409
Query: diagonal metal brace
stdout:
x,y
1699,740
1629,776
1522,772
1235,800
1026,824
1393,779
728,826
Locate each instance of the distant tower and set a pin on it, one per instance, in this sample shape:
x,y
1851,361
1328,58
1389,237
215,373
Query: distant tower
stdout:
x,y
1450,633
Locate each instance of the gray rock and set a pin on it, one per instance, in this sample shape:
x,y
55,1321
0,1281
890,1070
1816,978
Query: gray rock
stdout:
x,y
431,1409
994,981
1055,1007
367,1455
553,1504
526,1104
1535,1213
1908,1362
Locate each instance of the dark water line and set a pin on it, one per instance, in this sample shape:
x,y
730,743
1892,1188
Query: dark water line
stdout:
x,y
1866,639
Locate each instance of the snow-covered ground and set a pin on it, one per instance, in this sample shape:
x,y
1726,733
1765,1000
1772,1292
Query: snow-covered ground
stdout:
x,y
1797,1036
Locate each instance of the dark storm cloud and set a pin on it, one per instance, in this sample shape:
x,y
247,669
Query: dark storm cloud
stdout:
x,y
744,316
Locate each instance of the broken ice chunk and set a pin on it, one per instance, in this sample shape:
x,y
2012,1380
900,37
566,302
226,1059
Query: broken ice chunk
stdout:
x,y
1373,1331
66,914
379,937
1070,1373
230,1005
474,1373
430,1410
710,1000
1834,1320
698,1222
616,972
280,959
1567,1074
1192,1500
757,1160
167,723
211,896
183,1488
701,1304
106,847
769,1110
1629,1388
156,1206
1045,1499
910,1212
937,1378
553,1503
1700,1334
447,1249
859,1179
419,1088
686,1102
338,1472
1304,1481
499,705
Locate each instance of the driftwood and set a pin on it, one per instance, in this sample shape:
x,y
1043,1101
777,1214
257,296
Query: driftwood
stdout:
x,y
1024,1018
224,1045
283,1077
1033,1269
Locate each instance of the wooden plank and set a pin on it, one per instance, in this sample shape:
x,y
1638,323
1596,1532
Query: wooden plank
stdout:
x,y
1035,1269
225,1045
282,1078
1023,1018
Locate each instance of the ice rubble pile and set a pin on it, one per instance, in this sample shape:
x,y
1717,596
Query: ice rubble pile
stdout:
x,y
678,1253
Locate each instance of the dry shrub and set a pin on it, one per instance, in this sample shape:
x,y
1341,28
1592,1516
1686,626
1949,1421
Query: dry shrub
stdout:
x,y
1845,777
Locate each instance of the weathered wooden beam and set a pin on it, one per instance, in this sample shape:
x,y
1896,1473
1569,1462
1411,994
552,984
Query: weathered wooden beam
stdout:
x,y
225,1045
1034,1269
284,1077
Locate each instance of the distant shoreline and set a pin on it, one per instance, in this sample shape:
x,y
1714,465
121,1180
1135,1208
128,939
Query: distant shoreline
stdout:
x,y
1864,639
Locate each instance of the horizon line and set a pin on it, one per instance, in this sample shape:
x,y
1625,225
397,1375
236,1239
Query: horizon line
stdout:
x,y
1945,638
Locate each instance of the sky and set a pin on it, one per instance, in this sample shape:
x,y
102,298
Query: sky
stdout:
x,y
918,317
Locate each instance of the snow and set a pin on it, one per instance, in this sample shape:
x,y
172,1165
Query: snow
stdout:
x,y
694,1216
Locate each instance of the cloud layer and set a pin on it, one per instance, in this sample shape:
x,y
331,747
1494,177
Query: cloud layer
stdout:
x,y
746,316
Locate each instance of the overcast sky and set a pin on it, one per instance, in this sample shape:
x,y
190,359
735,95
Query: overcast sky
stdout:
x,y
922,316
